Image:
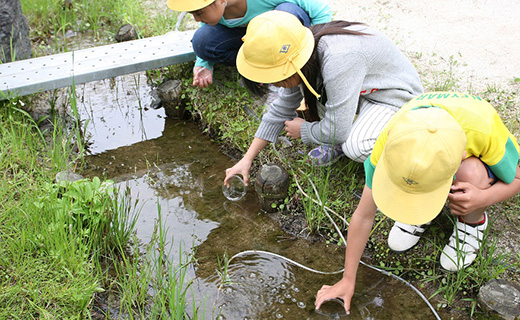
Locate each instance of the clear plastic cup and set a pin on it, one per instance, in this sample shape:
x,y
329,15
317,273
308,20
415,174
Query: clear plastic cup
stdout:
x,y
236,190
332,308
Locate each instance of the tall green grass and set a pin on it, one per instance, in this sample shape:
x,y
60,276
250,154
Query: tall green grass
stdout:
x,y
65,245
44,271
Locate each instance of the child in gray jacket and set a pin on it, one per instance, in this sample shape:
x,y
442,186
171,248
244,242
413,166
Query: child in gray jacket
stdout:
x,y
355,80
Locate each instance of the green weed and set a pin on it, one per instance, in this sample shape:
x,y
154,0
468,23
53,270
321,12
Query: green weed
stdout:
x,y
46,271
151,286
60,240
224,111
222,271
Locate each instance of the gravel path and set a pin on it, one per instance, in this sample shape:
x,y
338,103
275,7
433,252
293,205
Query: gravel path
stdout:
x,y
480,35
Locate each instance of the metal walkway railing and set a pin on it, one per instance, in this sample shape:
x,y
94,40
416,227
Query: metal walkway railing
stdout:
x,y
62,70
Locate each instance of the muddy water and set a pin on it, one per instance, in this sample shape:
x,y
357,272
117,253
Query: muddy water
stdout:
x,y
171,164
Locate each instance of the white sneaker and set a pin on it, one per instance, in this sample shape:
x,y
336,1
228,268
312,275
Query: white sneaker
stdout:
x,y
463,246
403,237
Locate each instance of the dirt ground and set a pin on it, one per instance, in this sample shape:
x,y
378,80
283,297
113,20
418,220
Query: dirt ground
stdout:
x,y
481,35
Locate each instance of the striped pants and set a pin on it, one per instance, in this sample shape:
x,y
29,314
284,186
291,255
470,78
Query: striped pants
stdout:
x,y
369,123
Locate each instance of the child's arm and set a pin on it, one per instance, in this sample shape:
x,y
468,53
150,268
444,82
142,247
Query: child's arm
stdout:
x,y
202,71
358,232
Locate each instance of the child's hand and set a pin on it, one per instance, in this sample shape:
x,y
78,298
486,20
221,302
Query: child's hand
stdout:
x,y
202,77
344,290
464,198
242,167
293,127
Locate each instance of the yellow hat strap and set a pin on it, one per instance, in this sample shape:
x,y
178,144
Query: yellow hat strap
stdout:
x,y
307,84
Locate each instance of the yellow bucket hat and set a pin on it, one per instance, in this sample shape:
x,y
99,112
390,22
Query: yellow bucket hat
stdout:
x,y
188,5
413,177
276,46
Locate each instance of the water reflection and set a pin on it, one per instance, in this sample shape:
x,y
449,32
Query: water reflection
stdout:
x,y
119,112
181,222
171,165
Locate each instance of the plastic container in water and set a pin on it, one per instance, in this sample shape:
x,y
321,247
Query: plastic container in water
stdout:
x,y
332,309
237,189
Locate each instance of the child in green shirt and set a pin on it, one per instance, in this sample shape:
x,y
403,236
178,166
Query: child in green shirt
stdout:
x,y
224,22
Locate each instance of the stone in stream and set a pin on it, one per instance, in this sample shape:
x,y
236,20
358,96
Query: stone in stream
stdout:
x,y
272,186
500,297
126,33
170,93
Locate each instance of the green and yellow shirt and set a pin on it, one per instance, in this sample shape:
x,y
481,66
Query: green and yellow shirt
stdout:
x,y
487,137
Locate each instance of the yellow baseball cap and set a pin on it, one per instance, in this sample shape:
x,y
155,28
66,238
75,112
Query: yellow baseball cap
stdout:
x,y
188,5
276,46
414,174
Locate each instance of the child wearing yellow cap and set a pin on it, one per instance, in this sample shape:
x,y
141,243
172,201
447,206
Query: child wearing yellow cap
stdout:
x,y
352,77
440,146
223,24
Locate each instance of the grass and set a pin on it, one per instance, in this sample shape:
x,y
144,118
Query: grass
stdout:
x,y
42,270
55,24
152,285
491,263
223,109
67,245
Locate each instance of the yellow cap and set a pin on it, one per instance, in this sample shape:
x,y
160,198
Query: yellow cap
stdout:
x,y
276,46
413,177
188,5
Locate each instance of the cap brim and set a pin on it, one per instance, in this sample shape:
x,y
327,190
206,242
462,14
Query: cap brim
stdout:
x,y
186,6
408,208
271,74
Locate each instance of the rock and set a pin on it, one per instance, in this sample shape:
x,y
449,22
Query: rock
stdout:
x,y
125,33
501,297
272,186
14,32
170,93
155,102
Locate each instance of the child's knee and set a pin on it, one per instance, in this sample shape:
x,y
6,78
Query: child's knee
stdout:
x,y
217,43
295,10
201,42
474,171
355,151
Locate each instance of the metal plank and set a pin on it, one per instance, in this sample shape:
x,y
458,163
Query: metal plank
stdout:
x,y
56,71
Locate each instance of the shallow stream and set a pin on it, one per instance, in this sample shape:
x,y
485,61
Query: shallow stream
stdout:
x,y
172,164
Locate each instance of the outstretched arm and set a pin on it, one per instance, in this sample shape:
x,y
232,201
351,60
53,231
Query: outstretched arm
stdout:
x,y
358,232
